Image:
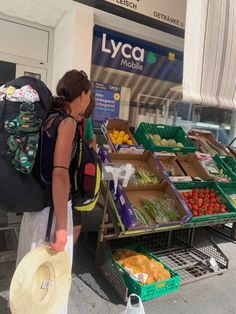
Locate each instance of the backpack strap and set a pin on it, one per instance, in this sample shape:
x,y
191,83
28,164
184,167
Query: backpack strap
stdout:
x,y
52,130
49,225
59,117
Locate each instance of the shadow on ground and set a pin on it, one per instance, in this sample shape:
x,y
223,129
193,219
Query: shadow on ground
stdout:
x,y
84,267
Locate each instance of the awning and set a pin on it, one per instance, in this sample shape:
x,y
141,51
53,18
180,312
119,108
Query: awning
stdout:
x,y
210,53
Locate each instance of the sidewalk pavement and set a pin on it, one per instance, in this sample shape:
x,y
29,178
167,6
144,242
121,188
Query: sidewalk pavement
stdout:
x,y
92,294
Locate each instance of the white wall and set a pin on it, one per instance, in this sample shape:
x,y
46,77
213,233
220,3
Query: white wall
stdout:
x,y
19,37
73,43
27,44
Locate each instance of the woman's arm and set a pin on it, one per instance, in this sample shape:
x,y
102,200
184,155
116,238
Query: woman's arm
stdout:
x,y
61,180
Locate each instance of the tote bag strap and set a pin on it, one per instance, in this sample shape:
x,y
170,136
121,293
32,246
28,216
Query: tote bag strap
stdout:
x,y
49,225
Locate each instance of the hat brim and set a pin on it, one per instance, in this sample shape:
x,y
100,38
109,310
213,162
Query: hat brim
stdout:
x,y
41,282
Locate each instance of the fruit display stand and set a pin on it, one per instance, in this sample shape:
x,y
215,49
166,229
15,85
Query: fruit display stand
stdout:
x,y
166,279
228,230
193,167
207,143
169,163
216,209
170,138
175,246
229,163
119,137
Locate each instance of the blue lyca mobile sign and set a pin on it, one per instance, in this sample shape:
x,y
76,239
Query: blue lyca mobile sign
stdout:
x,y
126,53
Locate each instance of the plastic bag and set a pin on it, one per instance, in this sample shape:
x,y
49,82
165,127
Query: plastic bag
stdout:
x,y
134,309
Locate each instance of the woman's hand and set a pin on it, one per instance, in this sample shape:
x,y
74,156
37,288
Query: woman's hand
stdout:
x,y
61,240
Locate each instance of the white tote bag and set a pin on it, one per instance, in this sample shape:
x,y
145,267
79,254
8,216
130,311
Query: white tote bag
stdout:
x,y
134,309
33,232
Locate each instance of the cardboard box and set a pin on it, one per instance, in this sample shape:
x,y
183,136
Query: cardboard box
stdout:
x,y
146,161
126,195
192,167
196,135
130,149
134,194
119,125
168,161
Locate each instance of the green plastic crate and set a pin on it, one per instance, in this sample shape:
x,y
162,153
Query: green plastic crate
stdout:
x,y
156,289
165,132
228,189
228,164
201,220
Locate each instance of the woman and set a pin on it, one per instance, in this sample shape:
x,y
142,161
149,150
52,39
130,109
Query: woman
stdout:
x,y
90,137
73,92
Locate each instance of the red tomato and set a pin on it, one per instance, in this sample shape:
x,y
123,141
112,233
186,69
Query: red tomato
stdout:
x,y
206,191
199,201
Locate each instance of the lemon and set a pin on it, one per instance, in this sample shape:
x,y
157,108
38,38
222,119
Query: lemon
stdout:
x,y
130,142
121,133
119,141
125,138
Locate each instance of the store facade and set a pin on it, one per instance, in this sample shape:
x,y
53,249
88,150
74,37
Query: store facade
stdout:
x,y
124,45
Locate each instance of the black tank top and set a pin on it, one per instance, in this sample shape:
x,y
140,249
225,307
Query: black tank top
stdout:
x,y
49,137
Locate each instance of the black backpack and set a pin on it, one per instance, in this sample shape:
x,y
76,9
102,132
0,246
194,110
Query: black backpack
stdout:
x,y
85,168
20,123
86,174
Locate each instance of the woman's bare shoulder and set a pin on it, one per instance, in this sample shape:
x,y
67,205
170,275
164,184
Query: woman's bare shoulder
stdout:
x,y
67,126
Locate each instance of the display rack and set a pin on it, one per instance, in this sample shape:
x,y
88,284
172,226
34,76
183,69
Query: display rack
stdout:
x,y
175,246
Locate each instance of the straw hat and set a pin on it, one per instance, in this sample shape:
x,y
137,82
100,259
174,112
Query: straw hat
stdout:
x,y
41,282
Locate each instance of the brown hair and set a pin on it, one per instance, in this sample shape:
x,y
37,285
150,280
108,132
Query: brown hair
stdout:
x,y
69,87
90,109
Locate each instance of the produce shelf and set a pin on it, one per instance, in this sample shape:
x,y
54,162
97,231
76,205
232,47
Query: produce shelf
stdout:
x,y
190,261
166,132
153,290
228,189
213,218
228,164
193,263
